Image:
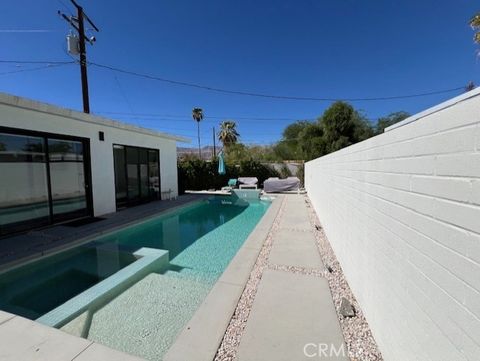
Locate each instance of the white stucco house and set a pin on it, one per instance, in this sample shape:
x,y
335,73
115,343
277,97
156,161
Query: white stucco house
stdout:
x,y
58,164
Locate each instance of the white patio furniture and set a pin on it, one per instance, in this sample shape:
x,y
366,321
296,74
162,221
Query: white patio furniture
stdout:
x,y
248,182
274,185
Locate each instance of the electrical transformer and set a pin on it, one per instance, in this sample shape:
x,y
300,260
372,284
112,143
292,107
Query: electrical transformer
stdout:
x,y
73,46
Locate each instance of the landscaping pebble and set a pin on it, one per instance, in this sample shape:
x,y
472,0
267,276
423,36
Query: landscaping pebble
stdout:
x,y
359,340
346,308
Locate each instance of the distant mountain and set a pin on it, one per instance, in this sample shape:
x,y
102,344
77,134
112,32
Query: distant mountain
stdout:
x,y
207,151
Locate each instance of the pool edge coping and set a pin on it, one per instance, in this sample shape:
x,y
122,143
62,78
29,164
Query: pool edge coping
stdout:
x,y
50,343
203,334
81,240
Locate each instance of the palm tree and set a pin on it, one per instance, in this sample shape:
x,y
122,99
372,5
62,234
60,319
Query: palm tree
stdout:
x,y
228,134
475,24
197,115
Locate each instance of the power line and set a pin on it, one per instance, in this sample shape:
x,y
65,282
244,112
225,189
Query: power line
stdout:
x,y
124,95
210,120
207,116
34,62
253,94
65,6
188,133
284,97
50,66
185,118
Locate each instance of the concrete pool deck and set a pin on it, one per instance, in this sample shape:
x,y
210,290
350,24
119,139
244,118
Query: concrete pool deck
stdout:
x,y
292,308
25,340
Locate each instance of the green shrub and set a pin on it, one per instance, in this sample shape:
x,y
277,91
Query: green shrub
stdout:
x,y
301,175
285,171
197,174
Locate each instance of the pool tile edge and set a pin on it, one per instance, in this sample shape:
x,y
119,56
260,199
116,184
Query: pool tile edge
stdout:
x,y
203,334
148,260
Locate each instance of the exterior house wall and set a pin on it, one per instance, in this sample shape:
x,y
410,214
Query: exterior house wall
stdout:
x,y
402,213
25,114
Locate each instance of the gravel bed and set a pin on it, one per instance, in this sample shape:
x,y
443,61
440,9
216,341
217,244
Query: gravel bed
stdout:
x,y
228,348
359,339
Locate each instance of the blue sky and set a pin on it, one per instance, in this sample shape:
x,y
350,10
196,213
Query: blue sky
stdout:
x,y
306,48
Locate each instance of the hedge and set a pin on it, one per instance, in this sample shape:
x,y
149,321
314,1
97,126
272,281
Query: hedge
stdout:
x,y
197,174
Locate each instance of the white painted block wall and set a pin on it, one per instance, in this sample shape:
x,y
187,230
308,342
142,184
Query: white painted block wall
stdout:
x,y
402,213
22,113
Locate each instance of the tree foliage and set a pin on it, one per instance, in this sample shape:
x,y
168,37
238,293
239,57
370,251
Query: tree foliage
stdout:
x,y
339,126
236,153
292,131
288,148
239,152
389,120
197,115
228,134
475,24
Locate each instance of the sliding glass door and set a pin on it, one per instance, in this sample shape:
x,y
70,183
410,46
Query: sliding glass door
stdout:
x,y
67,179
133,180
24,195
120,174
137,177
43,180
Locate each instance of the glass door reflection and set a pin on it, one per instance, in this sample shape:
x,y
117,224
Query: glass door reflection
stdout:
x,y
44,179
23,183
143,172
137,175
67,179
132,174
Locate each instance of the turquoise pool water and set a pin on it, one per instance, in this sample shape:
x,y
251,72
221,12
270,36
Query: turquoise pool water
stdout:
x,y
145,319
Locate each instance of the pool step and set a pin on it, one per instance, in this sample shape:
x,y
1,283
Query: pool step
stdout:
x,y
149,260
145,319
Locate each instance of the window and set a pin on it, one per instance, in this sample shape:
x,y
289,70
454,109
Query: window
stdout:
x,y
43,179
23,184
137,176
67,178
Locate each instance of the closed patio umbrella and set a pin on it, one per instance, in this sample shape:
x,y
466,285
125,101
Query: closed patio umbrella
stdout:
x,y
221,163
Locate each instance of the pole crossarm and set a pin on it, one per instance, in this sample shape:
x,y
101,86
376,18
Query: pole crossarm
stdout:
x,y
85,16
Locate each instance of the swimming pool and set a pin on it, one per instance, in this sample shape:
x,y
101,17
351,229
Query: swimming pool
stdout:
x,y
144,319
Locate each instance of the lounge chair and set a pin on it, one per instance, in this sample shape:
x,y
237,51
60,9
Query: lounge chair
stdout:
x,y
248,182
232,183
281,185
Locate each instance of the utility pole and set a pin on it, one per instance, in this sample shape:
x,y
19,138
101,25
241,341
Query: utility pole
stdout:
x,y
78,24
214,148
83,59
